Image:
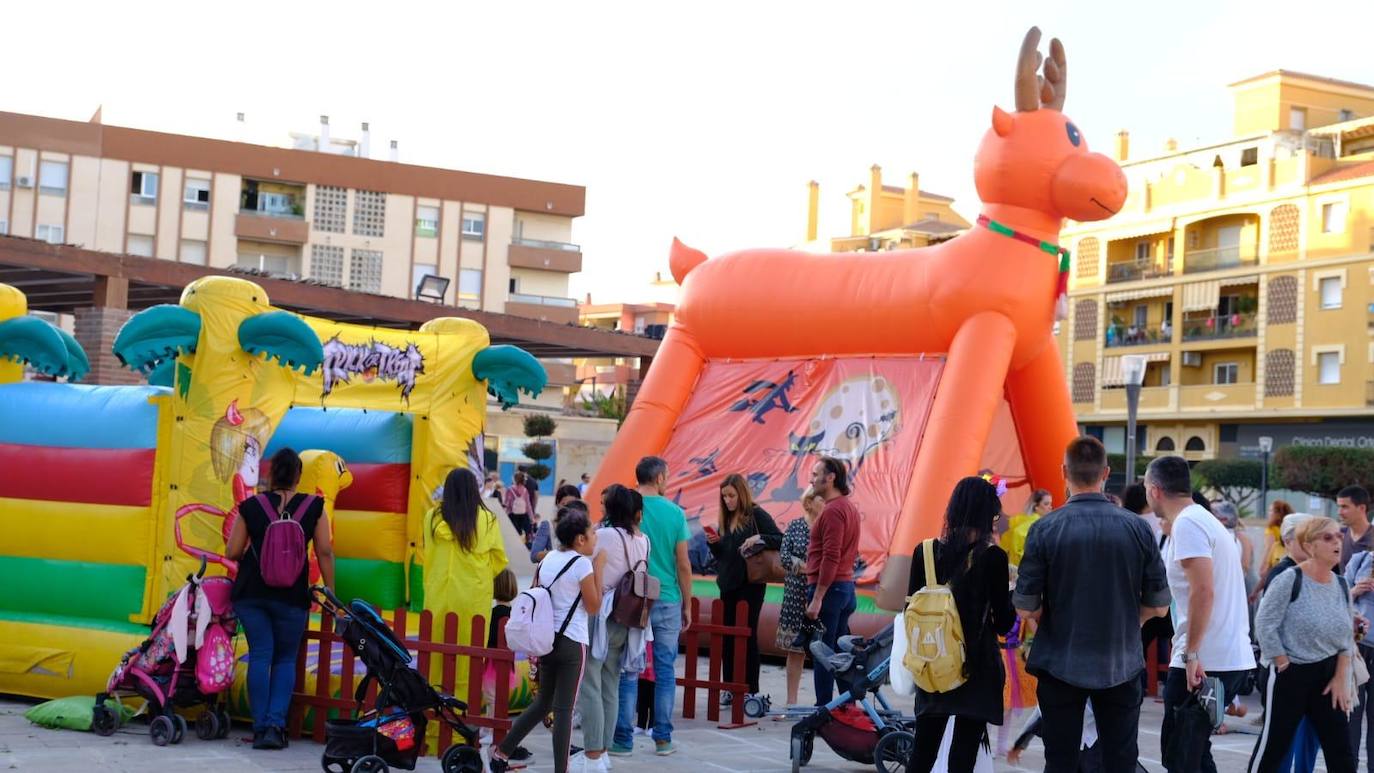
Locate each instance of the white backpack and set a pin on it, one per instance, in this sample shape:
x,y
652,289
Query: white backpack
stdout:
x,y
530,626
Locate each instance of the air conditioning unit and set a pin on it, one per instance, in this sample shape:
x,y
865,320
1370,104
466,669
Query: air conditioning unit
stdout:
x,y
1192,359
24,181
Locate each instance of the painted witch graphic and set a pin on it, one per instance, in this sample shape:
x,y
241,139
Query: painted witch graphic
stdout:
x,y
236,444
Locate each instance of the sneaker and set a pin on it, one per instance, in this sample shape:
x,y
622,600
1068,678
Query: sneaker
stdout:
x,y
621,751
521,754
498,765
664,748
260,739
727,698
272,738
285,741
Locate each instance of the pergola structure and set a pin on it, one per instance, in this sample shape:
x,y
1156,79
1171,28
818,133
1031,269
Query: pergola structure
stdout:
x,y
102,289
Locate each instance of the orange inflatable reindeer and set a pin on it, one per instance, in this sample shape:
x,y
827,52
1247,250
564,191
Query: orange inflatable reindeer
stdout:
x,y
986,301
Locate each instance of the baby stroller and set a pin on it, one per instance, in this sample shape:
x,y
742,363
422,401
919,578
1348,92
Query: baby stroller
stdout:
x,y
392,732
187,660
851,724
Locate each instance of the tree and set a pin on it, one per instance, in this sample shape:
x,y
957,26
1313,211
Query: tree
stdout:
x,y
1322,471
612,406
1237,480
538,425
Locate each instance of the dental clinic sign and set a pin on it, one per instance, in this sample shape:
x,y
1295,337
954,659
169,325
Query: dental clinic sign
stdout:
x,y
1324,434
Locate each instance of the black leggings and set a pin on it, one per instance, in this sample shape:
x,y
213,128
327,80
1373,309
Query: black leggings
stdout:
x,y
969,734
560,674
752,594
1293,694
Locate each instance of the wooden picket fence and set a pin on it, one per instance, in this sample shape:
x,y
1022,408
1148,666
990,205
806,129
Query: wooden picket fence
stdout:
x,y
711,637
428,645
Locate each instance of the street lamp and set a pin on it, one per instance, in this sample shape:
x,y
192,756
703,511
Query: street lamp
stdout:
x,y
1266,444
1133,371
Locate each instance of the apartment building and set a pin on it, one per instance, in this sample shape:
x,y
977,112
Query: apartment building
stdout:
x,y
333,216
1243,272
885,217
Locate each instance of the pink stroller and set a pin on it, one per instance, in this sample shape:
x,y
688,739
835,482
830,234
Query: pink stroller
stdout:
x,y
188,660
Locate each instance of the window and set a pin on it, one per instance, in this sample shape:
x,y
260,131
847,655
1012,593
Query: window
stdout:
x,y
474,225
1169,312
1165,444
331,211
277,265
1333,217
1330,288
6,172
1225,373
1142,316
427,221
369,214
514,285
1249,157
1195,443
52,177
1347,115
419,272
469,284
52,234
1194,237
1328,367
4,227
365,270
197,194
275,203
1142,251
192,251
1166,375
1297,119
140,245
144,187
326,262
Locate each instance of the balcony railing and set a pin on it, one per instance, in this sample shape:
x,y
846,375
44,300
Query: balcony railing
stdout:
x,y
285,214
1130,335
1218,258
548,245
1218,327
544,300
1133,270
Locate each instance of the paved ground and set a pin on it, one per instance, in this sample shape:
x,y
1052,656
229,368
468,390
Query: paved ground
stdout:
x,y
763,747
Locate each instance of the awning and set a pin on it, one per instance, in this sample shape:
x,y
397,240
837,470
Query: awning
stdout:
x,y
1239,280
1111,367
1201,296
1134,295
1158,227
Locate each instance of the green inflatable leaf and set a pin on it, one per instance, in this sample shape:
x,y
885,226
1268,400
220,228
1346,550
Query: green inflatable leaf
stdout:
x,y
78,365
509,370
284,337
156,334
43,347
164,373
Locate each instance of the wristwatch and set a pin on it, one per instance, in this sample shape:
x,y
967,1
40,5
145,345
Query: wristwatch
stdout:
x,y
1190,657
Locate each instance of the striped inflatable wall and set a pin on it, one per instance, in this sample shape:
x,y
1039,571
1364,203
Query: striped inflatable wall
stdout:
x,y
370,516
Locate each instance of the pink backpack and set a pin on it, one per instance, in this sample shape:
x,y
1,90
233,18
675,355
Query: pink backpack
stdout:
x,y
282,557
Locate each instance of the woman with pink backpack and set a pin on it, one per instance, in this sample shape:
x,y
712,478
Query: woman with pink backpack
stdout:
x,y
270,540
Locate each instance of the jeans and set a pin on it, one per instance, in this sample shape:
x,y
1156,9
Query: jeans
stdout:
x,y
665,618
274,630
560,673
1302,752
1176,692
601,689
839,603
1363,715
1116,711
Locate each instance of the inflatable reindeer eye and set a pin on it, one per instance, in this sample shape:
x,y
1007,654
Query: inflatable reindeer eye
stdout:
x,y
1074,137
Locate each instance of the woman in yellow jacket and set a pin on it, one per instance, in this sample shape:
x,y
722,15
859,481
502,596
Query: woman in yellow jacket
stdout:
x,y
1013,540
464,552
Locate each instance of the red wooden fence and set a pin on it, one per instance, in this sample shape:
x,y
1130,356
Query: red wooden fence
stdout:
x,y
427,646
713,636
1156,672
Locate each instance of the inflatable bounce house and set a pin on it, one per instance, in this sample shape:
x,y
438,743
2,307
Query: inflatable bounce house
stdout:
x,y
916,367
111,496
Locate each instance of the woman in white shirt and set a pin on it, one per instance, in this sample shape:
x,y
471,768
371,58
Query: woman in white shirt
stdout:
x,y
620,547
575,594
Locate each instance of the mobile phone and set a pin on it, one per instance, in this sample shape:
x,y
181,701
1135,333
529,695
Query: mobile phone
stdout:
x,y
710,531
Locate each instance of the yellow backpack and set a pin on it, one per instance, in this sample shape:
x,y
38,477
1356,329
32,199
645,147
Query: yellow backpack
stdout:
x,y
935,637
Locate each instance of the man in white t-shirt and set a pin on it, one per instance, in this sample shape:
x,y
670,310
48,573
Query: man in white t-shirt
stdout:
x,y
1211,618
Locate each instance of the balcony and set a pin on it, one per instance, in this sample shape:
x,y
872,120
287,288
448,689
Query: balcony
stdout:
x,y
543,255
1219,327
1130,335
1211,396
1133,270
1155,398
1218,259
270,227
548,308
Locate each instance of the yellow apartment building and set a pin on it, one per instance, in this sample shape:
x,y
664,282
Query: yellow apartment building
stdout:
x,y
885,217
1244,273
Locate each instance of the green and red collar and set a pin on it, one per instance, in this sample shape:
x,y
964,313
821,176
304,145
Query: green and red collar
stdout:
x,y
1044,246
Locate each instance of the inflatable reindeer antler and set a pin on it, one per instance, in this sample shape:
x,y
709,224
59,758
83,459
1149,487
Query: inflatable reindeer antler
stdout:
x,y
1032,90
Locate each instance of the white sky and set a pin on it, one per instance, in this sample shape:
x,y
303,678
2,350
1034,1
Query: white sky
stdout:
x,y
702,120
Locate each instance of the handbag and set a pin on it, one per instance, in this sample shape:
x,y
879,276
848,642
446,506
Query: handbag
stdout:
x,y
763,564
903,683
1358,669
635,593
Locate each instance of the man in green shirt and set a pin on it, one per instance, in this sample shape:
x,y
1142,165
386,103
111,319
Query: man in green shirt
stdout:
x,y
666,527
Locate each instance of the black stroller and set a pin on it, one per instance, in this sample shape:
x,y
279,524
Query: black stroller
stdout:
x,y
851,724
393,730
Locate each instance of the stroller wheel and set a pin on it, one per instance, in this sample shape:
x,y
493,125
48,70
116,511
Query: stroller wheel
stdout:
x,y
370,764
161,730
180,723
104,720
225,723
893,751
207,726
461,758
335,764
755,706
801,751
